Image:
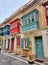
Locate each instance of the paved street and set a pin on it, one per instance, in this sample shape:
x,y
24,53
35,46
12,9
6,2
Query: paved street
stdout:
x,y
7,60
10,60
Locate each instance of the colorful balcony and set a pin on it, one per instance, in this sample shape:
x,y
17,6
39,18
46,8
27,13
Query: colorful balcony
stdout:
x,y
30,21
31,26
6,30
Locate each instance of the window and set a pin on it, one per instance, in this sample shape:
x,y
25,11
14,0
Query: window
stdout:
x,y
13,26
22,23
46,8
26,42
5,29
28,20
25,21
8,29
47,11
33,17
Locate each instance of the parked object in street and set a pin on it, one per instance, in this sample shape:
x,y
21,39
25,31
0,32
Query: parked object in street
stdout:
x,y
30,54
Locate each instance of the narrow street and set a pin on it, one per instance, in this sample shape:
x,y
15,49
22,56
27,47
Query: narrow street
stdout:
x,y
7,60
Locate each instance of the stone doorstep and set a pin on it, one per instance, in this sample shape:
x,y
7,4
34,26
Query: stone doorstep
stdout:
x,y
39,60
39,63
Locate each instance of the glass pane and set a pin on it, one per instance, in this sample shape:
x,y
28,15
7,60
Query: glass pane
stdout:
x,y
28,20
32,17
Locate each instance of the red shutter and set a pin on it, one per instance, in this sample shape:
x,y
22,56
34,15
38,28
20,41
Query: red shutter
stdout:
x,y
46,12
18,41
47,20
12,44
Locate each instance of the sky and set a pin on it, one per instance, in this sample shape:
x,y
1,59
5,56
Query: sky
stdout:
x,y
8,7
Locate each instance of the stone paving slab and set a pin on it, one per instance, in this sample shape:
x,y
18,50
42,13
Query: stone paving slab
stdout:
x,y
19,56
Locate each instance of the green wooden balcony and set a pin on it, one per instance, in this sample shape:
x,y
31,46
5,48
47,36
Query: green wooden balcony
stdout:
x,y
31,26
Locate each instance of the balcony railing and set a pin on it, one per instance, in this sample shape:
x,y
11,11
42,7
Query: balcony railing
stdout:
x,y
31,26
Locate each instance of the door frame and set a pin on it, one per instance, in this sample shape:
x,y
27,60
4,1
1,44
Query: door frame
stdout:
x,y
42,45
12,44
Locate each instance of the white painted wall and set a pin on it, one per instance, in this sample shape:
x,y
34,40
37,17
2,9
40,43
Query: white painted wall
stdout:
x,y
47,40
6,43
33,45
45,46
15,43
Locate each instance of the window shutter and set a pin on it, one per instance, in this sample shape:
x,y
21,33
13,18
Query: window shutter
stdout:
x,y
22,43
28,42
47,12
18,41
4,43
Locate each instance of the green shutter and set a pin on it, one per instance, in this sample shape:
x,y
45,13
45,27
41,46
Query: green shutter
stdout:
x,y
28,42
22,43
